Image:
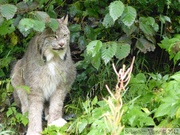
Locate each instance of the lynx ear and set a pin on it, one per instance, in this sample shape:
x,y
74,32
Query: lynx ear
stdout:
x,y
64,20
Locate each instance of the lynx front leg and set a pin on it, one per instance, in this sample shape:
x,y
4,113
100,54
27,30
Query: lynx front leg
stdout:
x,y
55,108
35,114
21,97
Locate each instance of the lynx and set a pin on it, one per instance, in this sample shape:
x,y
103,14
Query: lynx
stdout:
x,y
48,71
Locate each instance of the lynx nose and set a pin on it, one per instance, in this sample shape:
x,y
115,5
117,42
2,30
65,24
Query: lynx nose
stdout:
x,y
61,44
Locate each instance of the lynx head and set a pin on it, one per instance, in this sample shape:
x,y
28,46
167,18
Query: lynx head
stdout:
x,y
54,44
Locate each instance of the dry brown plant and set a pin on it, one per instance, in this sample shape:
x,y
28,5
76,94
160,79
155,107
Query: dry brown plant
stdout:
x,y
113,118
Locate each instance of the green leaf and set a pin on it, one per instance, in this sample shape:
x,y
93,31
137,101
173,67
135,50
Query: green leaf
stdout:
x,y
1,74
82,42
129,29
146,110
96,60
129,16
10,111
90,33
123,50
3,1
53,24
94,47
1,20
116,9
163,19
26,24
178,113
148,25
8,10
7,27
140,78
95,100
39,26
172,46
176,57
41,16
25,6
108,21
108,51
75,28
162,110
144,45
176,76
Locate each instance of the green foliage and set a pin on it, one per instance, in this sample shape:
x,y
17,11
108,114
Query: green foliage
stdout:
x,y
172,46
7,27
53,130
92,121
16,117
96,50
152,102
5,132
32,20
102,33
12,118
8,11
129,16
171,101
116,9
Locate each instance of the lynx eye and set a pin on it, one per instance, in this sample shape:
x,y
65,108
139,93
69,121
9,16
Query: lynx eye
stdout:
x,y
65,35
53,37
56,37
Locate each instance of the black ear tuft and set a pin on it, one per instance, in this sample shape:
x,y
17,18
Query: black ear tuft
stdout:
x,y
63,20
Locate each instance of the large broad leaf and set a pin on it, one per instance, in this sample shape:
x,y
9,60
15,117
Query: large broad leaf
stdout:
x,y
94,47
90,33
26,24
122,51
148,25
116,9
143,45
128,29
6,27
176,57
162,110
108,51
23,6
176,76
1,20
41,16
108,21
8,10
129,16
96,61
53,24
82,125
75,28
172,46
39,26
3,1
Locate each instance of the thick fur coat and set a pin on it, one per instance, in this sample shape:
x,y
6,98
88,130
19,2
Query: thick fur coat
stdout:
x,y
48,71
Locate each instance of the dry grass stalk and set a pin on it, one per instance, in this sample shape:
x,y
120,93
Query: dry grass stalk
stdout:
x,y
113,118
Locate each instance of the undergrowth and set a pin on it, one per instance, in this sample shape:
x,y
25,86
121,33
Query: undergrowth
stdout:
x,y
102,33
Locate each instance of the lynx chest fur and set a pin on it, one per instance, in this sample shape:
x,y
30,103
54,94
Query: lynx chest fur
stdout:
x,y
48,70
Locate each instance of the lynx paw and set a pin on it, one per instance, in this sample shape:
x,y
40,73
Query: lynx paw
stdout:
x,y
59,122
